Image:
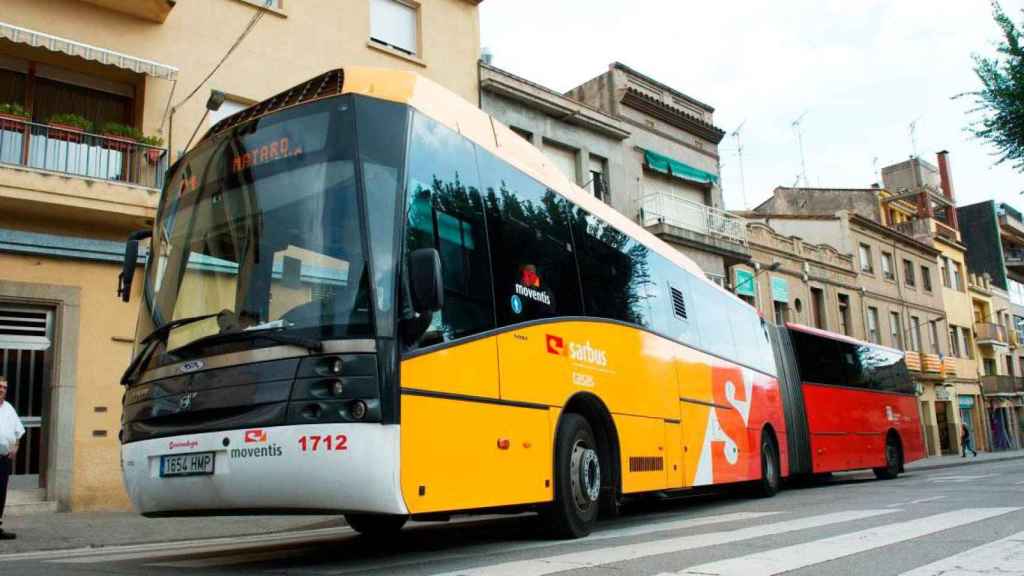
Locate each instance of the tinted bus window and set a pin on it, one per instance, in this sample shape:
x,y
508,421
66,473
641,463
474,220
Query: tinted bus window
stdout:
x,y
615,272
535,274
876,369
752,346
444,211
820,359
712,319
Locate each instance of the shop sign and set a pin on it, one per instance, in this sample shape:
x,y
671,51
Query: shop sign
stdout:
x,y
745,283
942,393
967,401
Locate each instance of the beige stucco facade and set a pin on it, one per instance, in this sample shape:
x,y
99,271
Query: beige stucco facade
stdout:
x,y
62,230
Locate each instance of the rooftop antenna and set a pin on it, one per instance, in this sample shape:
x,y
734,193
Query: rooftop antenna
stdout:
x,y
800,139
913,137
874,169
739,151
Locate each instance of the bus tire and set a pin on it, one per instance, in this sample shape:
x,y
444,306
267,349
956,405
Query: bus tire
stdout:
x,y
771,476
376,524
893,459
577,480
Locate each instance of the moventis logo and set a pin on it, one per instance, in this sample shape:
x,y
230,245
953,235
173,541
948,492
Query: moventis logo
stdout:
x,y
255,436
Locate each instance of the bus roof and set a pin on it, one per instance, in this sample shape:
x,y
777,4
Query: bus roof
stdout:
x,y
837,336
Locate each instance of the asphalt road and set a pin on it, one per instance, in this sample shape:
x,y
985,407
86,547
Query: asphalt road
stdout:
x,y
962,520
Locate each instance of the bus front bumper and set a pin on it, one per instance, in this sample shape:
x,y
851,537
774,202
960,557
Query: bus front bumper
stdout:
x,y
326,467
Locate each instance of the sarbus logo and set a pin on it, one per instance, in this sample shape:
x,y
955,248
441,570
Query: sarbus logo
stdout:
x,y
587,353
555,345
578,352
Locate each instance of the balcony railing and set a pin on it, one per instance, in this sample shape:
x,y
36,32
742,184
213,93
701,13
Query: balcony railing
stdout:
x,y
675,210
1002,384
1013,257
989,334
930,363
70,151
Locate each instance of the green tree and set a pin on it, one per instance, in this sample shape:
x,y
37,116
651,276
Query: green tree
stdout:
x,y
1000,102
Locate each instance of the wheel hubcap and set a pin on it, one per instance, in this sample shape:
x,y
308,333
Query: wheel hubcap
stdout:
x,y
585,475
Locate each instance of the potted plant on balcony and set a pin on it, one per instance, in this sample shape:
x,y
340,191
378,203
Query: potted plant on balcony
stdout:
x,y
13,117
119,137
154,152
68,127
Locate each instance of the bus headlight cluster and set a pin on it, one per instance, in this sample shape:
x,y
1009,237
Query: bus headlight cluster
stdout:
x,y
337,388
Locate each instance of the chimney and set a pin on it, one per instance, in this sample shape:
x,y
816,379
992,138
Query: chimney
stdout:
x,y
946,181
945,178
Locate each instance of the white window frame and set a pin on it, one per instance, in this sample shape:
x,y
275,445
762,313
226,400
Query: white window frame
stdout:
x,y
389,26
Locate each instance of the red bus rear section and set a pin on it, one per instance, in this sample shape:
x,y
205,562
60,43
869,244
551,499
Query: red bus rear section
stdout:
x,y
849,404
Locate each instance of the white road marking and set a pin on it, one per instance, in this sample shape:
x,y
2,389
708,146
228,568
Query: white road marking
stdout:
x,y
814,552
1004,557
918,501
963,478
607,555
1018,483
623,532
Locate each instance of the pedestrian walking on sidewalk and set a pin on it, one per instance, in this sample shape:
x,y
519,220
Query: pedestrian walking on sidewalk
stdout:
x,y
11,432
965,441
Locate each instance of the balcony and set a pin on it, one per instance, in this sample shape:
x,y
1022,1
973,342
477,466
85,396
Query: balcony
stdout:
x,y
925,229
152,10
1014,257
931,366
76,153
989,334
991,385
683,220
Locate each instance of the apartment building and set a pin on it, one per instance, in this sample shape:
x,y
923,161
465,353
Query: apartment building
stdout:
x,y
647,149
994,234
901,295
81,83
790,280
920,201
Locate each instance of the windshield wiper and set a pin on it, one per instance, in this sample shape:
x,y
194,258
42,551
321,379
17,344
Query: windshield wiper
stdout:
x,y
148,344
272,334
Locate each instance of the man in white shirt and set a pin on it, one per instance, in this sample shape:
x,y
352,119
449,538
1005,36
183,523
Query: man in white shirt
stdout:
x,y
11,432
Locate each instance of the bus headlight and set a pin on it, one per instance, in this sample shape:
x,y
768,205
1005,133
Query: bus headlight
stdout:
x,y
337,388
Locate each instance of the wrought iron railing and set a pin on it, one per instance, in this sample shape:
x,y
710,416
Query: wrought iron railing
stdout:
x,y
70,151
1002,384
675,210
990,333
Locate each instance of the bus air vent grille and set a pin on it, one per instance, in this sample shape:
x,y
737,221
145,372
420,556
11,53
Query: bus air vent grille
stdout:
x,y
678,303
323,86
646,463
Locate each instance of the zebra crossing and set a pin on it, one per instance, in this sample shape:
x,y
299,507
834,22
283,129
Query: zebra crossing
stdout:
x,y
763,542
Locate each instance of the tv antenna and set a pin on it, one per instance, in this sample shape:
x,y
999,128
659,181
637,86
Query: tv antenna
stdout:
x,y
913,137
798,128
739,151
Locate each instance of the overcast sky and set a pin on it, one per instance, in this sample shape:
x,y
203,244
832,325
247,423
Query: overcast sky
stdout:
x,y
862,70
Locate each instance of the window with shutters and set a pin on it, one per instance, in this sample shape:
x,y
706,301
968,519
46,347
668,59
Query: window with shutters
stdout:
x,y
396,25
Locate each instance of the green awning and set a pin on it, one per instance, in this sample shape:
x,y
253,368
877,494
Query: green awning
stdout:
x,y
667,165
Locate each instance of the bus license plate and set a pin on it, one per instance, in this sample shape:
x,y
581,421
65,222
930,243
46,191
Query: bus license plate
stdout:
x,y
195,464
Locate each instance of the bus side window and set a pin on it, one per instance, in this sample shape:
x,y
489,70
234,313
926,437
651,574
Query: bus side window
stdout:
x,y
615,272
534,263
675,303
444,211
715,328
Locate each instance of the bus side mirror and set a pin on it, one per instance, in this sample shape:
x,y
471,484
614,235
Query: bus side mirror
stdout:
x,y
427,286
131,258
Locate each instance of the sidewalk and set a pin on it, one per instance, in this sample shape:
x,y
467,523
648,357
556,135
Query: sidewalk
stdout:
x,y
957,460
99,529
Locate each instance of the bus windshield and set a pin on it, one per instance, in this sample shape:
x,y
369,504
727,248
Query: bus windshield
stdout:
x,y
260,228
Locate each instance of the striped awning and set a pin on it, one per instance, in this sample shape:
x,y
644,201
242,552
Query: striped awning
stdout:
x,y
87,52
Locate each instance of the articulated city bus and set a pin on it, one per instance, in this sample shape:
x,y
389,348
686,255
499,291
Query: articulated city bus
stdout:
x,y
366,296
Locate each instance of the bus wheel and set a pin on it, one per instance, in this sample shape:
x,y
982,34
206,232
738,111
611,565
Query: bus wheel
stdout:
x,y
376,524
893,462
771,476
577,480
